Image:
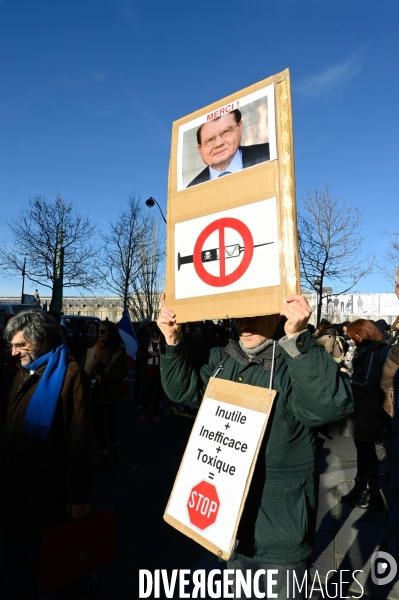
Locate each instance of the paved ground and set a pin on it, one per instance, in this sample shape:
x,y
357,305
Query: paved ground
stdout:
x,y
139,488
347,537
140,485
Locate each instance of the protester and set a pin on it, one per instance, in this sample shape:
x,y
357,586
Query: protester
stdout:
x,y
367,422
384,328
143,332
195,342
325,336
210,334
390,386
390,369
150,374
310,392
91,337
76,339
54,314
395,332
106,364
46,454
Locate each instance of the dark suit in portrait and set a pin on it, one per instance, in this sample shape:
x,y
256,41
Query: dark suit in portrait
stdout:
x,y
251,155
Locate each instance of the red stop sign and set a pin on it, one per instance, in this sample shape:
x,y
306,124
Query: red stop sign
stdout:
x,y
203,505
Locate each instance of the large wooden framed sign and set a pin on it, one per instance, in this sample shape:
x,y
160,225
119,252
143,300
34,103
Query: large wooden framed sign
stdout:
x,y
231,220
212,484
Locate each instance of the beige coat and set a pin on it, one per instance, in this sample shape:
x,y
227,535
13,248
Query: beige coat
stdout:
x,y
327,342
391,365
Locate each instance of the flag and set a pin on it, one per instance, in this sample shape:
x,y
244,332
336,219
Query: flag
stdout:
x,y
129,338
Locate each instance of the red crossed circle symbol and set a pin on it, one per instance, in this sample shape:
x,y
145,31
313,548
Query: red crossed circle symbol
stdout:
x,y
223,279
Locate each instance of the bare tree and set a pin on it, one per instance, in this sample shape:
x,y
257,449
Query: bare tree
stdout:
x,y
148,284
43,232
330,245
392,255
123,250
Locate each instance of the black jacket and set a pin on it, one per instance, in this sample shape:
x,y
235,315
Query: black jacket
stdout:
x,y
367,421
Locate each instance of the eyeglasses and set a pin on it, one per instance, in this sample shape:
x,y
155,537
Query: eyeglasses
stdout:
x,y
102,331
225,135
20,345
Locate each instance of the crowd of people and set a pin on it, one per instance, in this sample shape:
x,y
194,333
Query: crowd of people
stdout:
x,y
60,393
364,346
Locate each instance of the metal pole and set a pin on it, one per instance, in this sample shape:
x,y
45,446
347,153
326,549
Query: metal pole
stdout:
x,y
59,273
23,281
319,292
150,202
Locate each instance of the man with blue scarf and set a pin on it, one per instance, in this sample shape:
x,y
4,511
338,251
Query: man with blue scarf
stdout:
x,y
46,454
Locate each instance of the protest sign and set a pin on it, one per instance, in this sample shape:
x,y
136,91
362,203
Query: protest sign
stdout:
x,y
231,222
211,486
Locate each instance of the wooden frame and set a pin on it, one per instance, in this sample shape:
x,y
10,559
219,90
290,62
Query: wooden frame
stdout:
x,y
271,179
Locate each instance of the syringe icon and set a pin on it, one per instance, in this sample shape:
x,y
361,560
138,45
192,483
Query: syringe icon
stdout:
x,y
211,255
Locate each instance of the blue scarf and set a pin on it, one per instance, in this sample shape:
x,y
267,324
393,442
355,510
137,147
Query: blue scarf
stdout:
x,y
41,409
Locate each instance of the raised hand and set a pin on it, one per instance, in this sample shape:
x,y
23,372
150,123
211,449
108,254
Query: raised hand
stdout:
x,y
297,311
168,325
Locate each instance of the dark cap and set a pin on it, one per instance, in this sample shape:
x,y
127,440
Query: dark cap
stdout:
x,y
382,325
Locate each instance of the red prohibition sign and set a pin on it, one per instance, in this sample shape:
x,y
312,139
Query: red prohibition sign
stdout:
x,y
223,279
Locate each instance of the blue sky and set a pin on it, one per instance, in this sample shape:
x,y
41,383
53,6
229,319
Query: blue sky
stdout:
x,y
89,90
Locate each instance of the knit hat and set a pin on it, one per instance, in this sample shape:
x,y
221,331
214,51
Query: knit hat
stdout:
x,y
382,325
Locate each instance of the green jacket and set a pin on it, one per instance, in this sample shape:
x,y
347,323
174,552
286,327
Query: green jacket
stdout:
x,y
278,521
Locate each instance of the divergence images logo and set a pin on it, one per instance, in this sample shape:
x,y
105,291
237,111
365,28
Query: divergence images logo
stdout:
x,y
384,564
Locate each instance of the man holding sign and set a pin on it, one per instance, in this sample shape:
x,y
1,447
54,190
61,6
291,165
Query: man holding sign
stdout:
x,y
277,527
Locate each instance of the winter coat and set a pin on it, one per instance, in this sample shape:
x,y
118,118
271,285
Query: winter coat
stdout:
x,y
278,521
367,421
110,390
387,384
327,340
39,478
143,355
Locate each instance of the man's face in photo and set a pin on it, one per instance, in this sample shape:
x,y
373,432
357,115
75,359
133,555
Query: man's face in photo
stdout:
x,y
220,140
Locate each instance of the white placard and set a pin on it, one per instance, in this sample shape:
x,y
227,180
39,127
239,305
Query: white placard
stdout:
x,y
389,304
237,249
220,452
265,124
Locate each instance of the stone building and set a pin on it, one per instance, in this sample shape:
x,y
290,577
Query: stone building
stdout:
x,y
335,308
103,307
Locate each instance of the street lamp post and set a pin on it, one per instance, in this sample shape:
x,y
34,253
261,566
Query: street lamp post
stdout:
x,y
150,203
23,281
56,303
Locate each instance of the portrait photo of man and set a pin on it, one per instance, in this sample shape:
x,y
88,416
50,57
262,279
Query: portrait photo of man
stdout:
x,y
219,144
227,139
